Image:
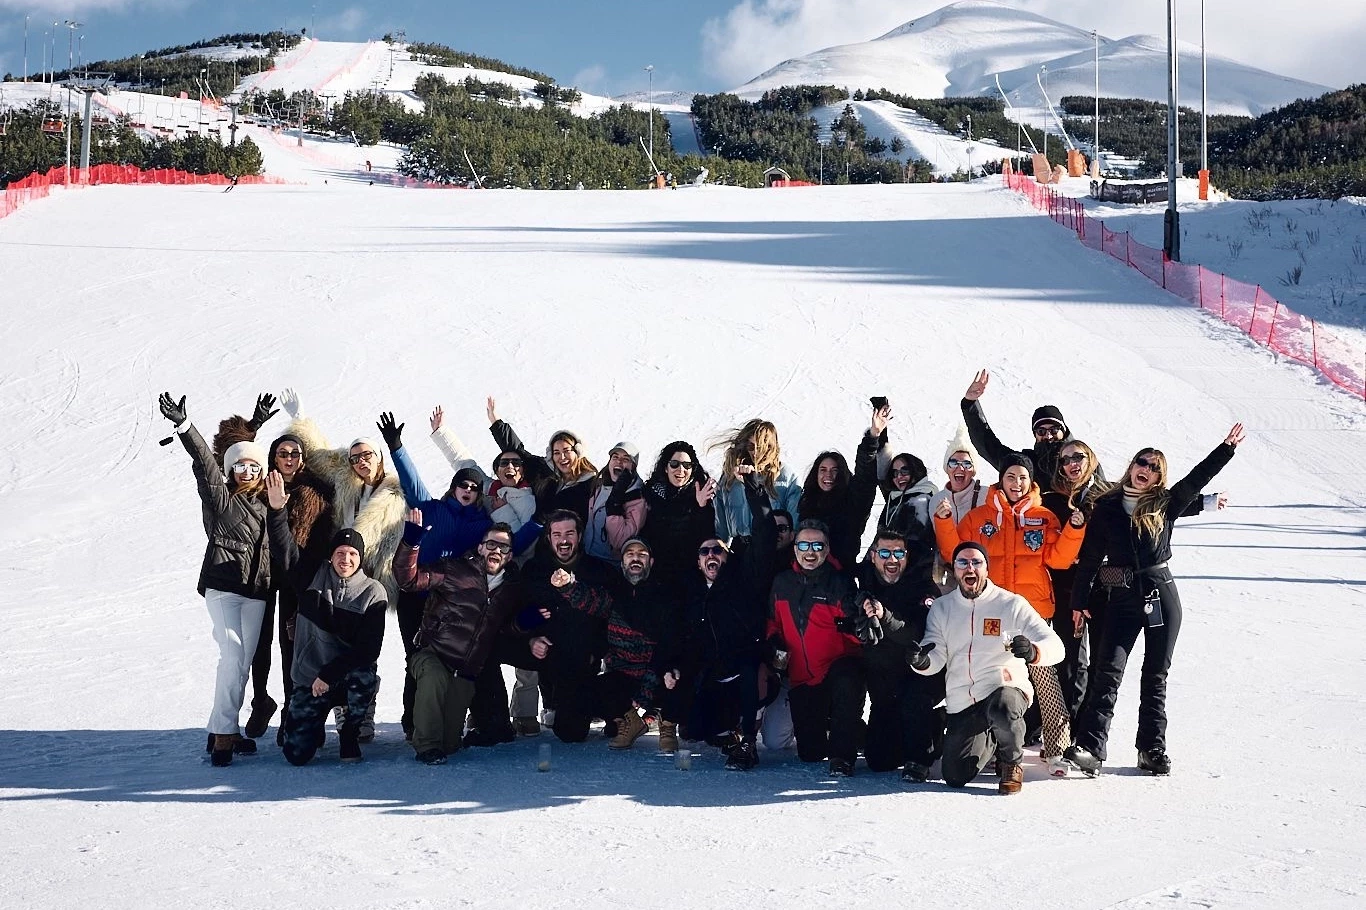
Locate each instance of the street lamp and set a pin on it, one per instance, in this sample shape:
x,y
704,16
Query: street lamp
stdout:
x,y
1204,106
70,54
1043,71
1171,224
650,103
1095,146
26,48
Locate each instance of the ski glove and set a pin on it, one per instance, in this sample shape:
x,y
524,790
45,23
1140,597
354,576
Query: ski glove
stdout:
x,y
172,410
918,657
616,500
392,434
265,409
869,630
1023,648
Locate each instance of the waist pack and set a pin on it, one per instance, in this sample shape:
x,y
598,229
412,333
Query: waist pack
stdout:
x,y
1115,576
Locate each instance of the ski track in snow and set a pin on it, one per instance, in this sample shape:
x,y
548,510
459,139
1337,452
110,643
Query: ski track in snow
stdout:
x,y
648,316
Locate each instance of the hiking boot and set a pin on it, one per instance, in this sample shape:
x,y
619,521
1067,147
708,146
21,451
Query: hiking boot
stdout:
x,y
262,710
841,767
220,756
915,774
526,726
431,757
241,745
1155,762
1012,778
1088,763
350,745
668,736
743,756
629,729
477,737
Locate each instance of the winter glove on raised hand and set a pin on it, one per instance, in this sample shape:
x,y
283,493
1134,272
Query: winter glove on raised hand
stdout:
x,y
1023,648
392,433
616,500
172,410
869,630
265,409
918,657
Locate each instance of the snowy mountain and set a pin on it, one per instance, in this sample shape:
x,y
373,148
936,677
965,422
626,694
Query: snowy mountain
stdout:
x,y
962,48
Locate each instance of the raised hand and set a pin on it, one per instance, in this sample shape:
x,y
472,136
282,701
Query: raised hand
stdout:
x,y
559,578
437,417
706,492
881,417
491,409
265,409
392,433
172,410
978,386
1235,436
415,516
289,400
276,497
944,509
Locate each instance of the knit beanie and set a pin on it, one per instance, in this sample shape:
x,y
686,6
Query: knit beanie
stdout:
x,y
250,451
630,450
367,441
287,437
465,474
972,545
1046,413
347,537
960,442
1018,459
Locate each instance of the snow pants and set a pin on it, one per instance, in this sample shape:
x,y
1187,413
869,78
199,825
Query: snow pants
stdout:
x,y
993,726
826,716
236,627
306,717
440,700
904,724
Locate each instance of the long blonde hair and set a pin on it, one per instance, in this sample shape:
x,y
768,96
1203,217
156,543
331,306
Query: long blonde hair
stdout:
x,y
767,455
1063,484
254,488
1150,513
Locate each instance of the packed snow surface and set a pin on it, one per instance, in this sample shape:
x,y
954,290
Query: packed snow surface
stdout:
x,y
643,316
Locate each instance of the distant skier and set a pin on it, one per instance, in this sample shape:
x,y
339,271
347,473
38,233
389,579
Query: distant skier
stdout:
x,y
231,185
367,165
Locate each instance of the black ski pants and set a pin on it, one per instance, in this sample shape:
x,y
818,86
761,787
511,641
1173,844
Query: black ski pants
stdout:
x,y
904,726
826,716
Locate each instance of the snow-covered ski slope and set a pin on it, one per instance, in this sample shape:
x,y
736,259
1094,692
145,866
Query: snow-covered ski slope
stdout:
x,y
644,316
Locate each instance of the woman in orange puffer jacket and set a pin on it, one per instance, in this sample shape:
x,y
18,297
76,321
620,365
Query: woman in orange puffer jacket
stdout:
x,y
1023,539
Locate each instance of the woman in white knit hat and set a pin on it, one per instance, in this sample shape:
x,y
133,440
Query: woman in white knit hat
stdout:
x,y
235,577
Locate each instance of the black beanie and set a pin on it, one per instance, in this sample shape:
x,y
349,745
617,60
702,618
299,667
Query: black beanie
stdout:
x,y
1018,458
465,474
347,537
287,437
1048,412
971,545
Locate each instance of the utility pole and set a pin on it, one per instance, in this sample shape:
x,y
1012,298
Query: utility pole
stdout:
x,y
1043,69
26,48
1171,226
70,55
1204,109
1095,146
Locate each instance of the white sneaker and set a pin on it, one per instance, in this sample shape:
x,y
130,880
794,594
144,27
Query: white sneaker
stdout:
x,y
548,717
1059,766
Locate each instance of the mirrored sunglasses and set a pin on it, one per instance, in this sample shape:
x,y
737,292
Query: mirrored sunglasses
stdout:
x,y
247,468
810,546
884,553
962,563
956,463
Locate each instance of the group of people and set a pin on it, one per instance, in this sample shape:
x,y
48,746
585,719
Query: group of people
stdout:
x,y
734,609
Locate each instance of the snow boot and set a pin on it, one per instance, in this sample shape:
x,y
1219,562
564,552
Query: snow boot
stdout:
x,y
668,736
1088,763
262,710
431,757
629,729
526,726
350,743
1012,778
841,767
743,756
1155,762
221,754
915,773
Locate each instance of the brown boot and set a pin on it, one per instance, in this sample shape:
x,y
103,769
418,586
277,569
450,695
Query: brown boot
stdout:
x,y
668,736
221,755
629,729
1012,777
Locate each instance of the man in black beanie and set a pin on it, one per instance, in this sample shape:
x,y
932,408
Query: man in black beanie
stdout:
x,y
1051,433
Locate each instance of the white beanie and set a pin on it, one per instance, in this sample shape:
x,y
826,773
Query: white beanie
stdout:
x,y
248,451
366,440
960,442
630,450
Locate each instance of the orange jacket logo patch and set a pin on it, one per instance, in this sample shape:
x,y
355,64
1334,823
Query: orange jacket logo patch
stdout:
x,y
991,627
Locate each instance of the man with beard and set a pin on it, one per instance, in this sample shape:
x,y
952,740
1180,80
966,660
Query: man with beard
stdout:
x,y
642,645
724,621
469,599
811,615
1050,433
985,635
904,726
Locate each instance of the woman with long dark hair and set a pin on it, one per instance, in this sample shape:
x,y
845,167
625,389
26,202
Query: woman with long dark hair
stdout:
x,y
680,515
1130,533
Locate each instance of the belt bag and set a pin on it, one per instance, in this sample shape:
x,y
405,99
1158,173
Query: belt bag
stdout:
x,y
1115,576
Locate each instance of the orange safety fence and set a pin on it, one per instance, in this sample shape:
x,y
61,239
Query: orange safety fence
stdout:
x,y
39,185
1248,307
792,183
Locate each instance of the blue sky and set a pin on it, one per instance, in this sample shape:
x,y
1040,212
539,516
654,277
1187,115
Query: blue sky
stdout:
x,y
698,45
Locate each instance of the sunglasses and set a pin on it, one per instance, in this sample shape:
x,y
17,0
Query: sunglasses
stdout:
x,y
713,550
810,546
248,468
508,463
289,454
961,563
470,485
494,546
954,463
1074,458
1150,465
1048,429
904,472
883,553
361,456
675,464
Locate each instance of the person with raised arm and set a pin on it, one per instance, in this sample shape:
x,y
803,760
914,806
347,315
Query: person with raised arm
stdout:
x,y
754,445
563,479
963,492
842,499
1049,429
679,512
1128,545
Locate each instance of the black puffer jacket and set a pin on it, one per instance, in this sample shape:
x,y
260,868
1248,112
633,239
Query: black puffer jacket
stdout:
x,y
577,627
461,619
907,603
675,527
237,558
845,509
1043,453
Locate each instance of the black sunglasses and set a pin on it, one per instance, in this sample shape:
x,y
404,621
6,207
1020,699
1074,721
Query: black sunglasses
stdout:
x,y
496,546
675,464
1074,458
713,550
1150,465
508,463
470,485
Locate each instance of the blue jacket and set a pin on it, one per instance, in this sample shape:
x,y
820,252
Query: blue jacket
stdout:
x,y
732,511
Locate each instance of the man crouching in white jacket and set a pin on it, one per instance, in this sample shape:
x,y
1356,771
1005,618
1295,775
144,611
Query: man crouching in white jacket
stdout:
x,y
985,635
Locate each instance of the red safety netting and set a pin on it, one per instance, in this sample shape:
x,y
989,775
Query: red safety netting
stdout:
x,y
1248,307
792,183
37,186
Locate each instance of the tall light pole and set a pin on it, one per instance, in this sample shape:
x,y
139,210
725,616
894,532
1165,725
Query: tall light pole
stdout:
x,y
1204,108
650,103
1043,70
26,48
52,56
1095,146
1171,224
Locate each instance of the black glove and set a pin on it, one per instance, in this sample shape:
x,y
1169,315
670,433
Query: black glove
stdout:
x,y
616,500
1023,648
918,657
172,410
869,630
392,434
847,625
265,409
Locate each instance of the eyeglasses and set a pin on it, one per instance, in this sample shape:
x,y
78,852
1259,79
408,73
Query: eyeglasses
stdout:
x,y
471,486
883,553
810,546
961,563
289,454
1074,458
357,458
954,463
1150,465
508,463
1044,430
494,546
713,550
247,468
906,472
675,464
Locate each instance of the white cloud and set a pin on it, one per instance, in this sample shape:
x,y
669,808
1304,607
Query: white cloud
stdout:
x,y
48,11
1320,44
592,79
347,23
